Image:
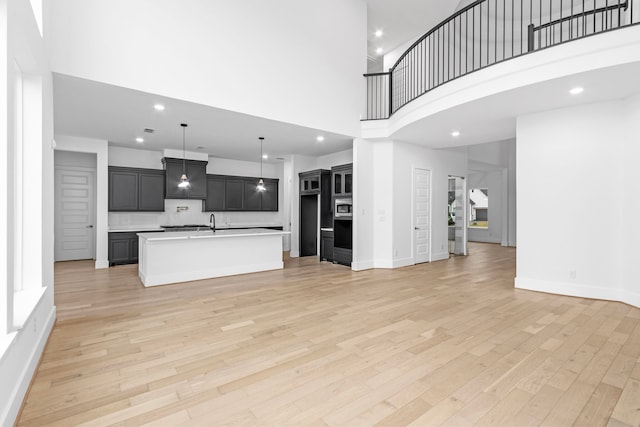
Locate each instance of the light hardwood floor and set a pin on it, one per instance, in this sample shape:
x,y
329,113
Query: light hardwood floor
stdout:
x,y
449,343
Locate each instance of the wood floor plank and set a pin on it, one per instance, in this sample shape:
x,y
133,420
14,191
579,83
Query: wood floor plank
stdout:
x,y
449,342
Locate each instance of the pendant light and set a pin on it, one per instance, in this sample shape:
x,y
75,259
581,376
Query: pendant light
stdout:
x,y
260,186
184,180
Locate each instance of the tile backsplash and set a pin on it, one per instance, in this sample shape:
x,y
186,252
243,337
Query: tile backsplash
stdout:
x,y
176,214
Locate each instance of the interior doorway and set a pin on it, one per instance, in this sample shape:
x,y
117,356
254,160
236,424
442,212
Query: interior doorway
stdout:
x,y
74,209
457,215
421,215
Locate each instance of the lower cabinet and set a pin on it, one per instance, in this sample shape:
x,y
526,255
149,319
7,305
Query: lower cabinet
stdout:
x,y
123,248
342,256
326,245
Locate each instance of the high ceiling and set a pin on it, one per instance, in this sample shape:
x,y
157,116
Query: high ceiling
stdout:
x,y
402,20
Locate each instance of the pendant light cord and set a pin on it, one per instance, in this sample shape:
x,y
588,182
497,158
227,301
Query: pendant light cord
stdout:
x,y
184,154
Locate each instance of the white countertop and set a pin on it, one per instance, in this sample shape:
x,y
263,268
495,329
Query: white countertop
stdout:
x,y
133,228
208,234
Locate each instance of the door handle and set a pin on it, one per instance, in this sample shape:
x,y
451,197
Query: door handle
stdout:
x,y
89,226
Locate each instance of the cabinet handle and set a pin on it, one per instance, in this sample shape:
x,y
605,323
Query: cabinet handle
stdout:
x,y
89,226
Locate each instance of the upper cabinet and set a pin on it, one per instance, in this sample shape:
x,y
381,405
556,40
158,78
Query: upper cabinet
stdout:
x,y
310,182
134,189
342,180
196,172
238,193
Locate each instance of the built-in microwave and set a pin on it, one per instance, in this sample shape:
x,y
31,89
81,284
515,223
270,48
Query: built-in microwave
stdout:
x,y
344,208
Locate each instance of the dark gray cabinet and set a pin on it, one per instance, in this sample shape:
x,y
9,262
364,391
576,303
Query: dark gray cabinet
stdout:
x,y
196,171
134,189
342,179
252,197
123,248
238,193
234,194
215,194
270,197
326,245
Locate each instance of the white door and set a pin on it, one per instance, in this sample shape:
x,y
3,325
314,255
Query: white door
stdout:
x,y
421,205
74,214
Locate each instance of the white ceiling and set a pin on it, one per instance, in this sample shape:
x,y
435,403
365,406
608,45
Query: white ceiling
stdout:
x,y
97,110
493,118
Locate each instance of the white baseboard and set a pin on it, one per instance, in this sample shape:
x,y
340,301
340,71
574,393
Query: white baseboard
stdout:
x,y
403,262
294,254
362,265
12,408
101,263
439,256
578,290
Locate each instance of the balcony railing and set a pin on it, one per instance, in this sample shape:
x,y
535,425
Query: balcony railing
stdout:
x,y
485,33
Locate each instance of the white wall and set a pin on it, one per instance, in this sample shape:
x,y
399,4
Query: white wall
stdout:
x,y
577,177
22,343
441,163
296,62
384,201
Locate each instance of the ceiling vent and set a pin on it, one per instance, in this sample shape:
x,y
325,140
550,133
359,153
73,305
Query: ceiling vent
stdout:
x,y
147,130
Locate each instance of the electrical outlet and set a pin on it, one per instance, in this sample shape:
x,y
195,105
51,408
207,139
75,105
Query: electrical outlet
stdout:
x,y
572,274
396,252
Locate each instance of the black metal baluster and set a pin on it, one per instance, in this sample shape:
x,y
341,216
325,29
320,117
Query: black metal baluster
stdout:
x,y
488,29
504,29
480,44
560,21
473,40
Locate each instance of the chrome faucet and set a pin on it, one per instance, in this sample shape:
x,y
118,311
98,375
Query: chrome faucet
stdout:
x,y
212,223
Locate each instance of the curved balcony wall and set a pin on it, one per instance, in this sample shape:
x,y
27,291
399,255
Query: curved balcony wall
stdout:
x,y
485,33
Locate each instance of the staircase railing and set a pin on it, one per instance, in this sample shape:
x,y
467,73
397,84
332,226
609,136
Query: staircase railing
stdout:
x,y
485,33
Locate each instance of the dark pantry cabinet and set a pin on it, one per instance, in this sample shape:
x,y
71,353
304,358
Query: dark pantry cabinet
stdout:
x,y
136,190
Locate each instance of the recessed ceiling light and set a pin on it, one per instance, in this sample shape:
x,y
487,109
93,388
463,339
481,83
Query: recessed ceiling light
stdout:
x,y
265,156
576,90
140,140
159,107
379,51
379,33
320,138
455,133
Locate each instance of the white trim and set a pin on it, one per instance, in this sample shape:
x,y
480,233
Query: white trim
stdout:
x,y
439,256
403,262
362,265
578,290
12,408
294,254
101,263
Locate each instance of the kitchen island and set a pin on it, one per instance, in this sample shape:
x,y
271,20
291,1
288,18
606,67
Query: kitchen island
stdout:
x,y
176,257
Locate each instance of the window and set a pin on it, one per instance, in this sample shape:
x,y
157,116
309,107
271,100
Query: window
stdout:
x,y
479,208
